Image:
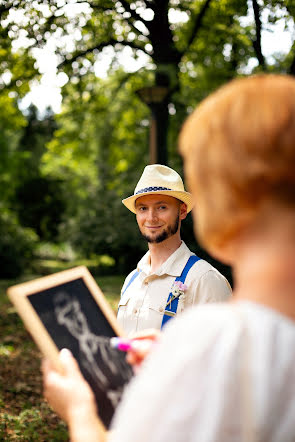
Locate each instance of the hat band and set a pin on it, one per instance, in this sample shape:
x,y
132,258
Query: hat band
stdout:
x,y
152,189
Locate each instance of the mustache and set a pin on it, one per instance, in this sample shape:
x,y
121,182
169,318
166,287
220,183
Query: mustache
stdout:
x,y
170,231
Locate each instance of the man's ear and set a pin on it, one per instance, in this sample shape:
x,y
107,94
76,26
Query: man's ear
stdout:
x,y
183,211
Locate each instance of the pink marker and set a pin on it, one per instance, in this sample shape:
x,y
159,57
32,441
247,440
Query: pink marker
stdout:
x,y
125,344
122,344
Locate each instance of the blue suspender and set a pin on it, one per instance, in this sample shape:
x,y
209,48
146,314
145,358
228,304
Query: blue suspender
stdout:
x,y
172,301
135,274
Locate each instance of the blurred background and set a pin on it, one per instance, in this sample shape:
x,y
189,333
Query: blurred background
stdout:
x,y
91,92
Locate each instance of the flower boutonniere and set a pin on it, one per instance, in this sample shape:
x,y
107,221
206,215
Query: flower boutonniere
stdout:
x,y
177,290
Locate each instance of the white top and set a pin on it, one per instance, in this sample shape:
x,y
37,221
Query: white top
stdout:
x,y
222,373
143,303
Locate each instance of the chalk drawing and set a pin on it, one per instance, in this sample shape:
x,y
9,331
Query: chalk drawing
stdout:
x,y
98,357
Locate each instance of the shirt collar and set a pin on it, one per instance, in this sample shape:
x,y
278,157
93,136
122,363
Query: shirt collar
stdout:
x,y
172,266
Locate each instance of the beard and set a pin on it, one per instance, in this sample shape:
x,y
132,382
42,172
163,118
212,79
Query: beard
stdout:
x,y
167,233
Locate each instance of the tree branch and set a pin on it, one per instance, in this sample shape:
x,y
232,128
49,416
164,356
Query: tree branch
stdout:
x,y
130,21
7,7
198,22
101,8
132,12
257,41
111,42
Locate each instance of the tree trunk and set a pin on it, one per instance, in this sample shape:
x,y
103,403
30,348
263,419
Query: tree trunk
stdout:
x,y
158,133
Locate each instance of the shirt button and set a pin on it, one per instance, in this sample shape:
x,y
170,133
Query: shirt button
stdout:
x,y
135,311
161,309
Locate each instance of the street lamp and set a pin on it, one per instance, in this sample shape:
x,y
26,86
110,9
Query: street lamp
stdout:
x,y
155,98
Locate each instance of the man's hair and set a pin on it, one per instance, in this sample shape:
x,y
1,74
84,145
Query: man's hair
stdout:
x,y
239,151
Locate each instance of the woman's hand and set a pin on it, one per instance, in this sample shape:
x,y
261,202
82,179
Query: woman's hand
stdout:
x,y
68,393
143,343
73,400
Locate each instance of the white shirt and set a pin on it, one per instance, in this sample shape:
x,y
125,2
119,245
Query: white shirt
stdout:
x,y
143,303
222,373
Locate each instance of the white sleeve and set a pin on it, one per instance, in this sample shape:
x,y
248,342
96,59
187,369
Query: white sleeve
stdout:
x,y
212,287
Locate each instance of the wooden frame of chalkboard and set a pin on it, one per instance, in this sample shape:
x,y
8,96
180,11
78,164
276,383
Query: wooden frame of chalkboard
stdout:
x,y
68,310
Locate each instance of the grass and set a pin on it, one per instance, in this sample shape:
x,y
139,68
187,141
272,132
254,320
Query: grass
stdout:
x,y
24,415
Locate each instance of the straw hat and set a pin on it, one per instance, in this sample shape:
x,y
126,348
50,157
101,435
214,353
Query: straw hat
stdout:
x,y
158,179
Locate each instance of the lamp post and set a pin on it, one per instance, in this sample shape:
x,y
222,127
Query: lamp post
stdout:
x,y
156,98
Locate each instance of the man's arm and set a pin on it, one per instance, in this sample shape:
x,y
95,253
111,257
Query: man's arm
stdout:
x,y
212,287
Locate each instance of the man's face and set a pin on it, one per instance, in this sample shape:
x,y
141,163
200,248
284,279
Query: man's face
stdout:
x,y
158,216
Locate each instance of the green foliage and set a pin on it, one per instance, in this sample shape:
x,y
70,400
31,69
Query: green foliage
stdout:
x,y
16,62
38,199
100,140
40,205
16,245
64,176
109,228
12,123
36,133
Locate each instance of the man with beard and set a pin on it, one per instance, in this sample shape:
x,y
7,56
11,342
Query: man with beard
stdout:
x,y
169,278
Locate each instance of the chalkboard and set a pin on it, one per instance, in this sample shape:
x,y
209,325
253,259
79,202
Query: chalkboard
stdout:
x,y
68,310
